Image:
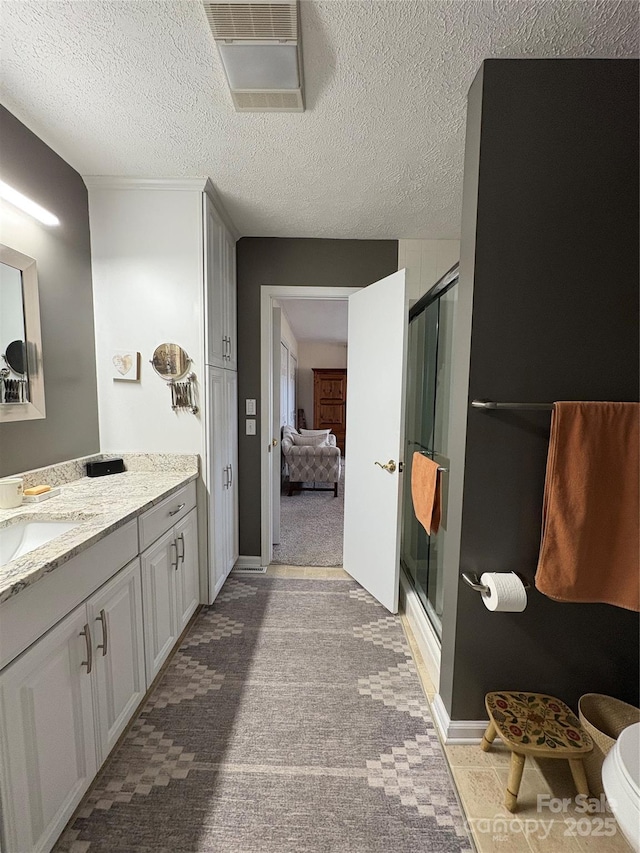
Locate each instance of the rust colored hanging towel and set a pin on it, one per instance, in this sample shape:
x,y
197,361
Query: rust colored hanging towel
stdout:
x,y
590,519
425,492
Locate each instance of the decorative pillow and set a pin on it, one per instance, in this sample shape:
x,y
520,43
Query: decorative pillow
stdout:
x,y
315,431
309,440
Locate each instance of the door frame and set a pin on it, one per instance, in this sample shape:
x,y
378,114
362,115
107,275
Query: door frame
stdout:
x,y
268,294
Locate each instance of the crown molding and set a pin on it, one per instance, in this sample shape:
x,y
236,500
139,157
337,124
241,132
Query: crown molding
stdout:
x,y
110,182
202,185
212,192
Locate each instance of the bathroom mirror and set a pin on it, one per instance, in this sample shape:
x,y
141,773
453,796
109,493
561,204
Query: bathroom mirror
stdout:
x,y
21,375
170,361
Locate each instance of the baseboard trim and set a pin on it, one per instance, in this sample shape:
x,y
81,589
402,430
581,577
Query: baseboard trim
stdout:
x,y
248,563
426,637
455,732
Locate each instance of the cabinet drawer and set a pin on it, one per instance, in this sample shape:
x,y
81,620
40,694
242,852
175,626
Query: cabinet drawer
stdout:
x,y
27,616
162,517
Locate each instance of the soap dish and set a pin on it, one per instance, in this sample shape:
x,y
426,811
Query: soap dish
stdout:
x,y
36,499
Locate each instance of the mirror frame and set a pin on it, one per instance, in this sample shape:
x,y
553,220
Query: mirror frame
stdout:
x,y
35,408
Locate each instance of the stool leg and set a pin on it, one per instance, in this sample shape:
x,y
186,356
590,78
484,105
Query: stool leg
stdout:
x,y
515,777
579,776
488,738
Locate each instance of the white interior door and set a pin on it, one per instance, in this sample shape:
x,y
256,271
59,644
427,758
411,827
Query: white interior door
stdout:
x,y
291,396
376,366
284,384
274,455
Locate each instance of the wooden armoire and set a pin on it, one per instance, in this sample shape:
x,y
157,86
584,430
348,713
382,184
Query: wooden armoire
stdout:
x,y
330,401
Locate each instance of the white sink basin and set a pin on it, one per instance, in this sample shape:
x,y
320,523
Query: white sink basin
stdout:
x,y
21,537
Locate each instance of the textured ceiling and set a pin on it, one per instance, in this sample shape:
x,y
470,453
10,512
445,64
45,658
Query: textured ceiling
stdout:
x,y
318,319
130,87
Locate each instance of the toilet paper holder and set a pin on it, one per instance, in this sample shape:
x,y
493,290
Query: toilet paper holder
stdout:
x,y
472,580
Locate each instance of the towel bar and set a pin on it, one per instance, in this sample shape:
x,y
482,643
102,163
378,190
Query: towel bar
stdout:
x,y
531,407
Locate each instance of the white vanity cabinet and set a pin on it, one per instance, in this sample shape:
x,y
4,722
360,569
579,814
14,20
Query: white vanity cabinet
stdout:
x,y
159,564
170,577
48,737
65,702
80,648
188,575
114,615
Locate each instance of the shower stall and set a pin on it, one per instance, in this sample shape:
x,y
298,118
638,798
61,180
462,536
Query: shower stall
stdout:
x,y
427,431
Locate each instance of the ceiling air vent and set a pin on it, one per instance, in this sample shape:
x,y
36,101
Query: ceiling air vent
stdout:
x,y
260,47
253,20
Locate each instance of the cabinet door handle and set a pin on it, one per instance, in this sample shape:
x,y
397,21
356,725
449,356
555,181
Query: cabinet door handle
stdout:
x,y
105,632
230,475
177,509
181,553
226,476
174,563
86,633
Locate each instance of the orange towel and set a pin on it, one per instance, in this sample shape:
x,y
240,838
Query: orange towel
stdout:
x,y
425,491
590,530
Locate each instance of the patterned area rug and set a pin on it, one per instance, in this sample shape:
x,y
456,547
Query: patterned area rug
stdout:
x,y
311,527
291,720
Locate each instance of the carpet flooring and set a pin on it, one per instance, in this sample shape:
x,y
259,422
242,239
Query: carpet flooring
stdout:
x,y
291,720
311,528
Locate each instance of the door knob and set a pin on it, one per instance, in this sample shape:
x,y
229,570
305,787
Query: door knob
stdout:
x,y
274,443
390,466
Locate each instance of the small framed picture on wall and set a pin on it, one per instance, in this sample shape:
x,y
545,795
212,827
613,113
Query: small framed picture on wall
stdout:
x,y
126,365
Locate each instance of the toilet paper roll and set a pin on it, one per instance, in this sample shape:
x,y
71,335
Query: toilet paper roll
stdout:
x,y
506,592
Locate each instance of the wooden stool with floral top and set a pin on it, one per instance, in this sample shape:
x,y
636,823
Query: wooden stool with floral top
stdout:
x,y
538,725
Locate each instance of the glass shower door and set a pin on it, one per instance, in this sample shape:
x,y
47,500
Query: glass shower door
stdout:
x,y
427,427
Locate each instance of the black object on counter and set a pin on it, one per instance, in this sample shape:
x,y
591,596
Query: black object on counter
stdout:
x,y
105,466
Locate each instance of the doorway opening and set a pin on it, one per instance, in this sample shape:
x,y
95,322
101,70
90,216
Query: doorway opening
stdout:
x,y
304,384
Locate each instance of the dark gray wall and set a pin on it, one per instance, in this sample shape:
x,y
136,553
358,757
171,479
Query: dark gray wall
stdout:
x,y
555,317
312,263
63,258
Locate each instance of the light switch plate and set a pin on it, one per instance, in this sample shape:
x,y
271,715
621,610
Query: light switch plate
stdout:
x,y
250,408
250,426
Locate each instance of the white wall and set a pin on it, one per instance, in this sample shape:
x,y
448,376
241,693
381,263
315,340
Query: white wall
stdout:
x,y
147,261
426,261
315,354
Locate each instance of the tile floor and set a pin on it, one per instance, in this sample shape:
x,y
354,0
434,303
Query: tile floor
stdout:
x,y
481,778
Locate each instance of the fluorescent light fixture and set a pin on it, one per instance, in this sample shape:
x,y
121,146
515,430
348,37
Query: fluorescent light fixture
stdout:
x,y
27,205
260,66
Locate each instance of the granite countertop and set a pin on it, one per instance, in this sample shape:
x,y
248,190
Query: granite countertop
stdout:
x,y
100,504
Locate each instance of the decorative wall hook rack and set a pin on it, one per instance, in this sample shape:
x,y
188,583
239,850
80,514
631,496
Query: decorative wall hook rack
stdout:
x,y
172,363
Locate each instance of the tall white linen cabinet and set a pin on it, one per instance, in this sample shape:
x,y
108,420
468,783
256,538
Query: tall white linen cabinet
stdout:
x,y
163,265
